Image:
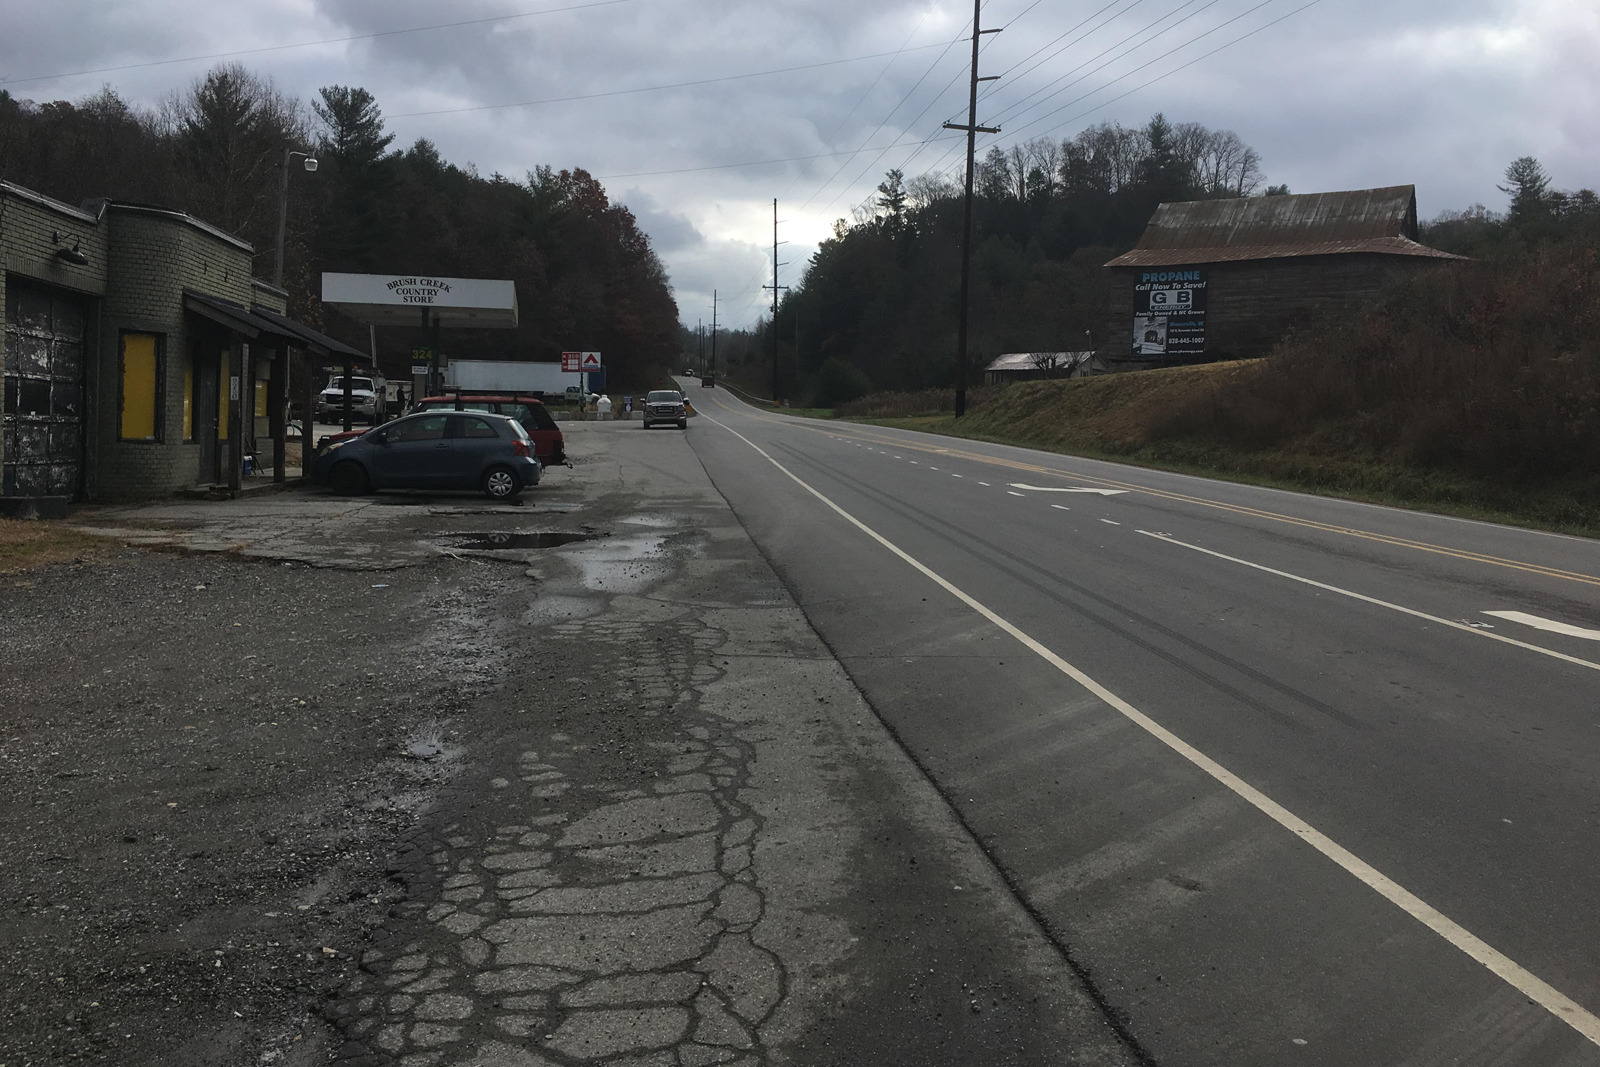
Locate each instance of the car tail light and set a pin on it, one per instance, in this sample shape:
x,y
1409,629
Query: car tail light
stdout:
x,y
521,448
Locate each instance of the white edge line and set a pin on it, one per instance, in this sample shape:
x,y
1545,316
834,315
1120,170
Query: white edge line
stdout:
x,y
1524,981
1413,612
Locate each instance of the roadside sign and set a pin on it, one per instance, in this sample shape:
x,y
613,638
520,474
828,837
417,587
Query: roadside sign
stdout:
x,y
591,362
572,362
627,403
419,368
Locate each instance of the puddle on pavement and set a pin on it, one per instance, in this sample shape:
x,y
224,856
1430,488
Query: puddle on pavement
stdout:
x,y
506,540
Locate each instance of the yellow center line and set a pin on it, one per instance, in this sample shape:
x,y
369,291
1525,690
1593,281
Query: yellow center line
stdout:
x,y
1185,498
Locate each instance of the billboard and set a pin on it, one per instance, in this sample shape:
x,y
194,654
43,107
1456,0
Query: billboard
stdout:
x,y
1169,314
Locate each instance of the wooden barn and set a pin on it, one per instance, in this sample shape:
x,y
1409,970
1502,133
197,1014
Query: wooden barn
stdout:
x,y
1225,279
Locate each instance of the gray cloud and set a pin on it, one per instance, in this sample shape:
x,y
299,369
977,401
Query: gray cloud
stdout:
x,y
1348,94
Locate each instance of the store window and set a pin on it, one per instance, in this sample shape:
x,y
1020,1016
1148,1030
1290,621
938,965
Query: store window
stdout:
x,y
141,387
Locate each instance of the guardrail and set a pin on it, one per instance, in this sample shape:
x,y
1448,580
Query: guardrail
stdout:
x,y
748,396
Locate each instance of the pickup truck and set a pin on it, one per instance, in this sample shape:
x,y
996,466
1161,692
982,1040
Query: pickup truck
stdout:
x,y
367,400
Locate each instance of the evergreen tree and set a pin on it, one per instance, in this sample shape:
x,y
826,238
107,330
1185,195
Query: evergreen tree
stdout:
x,y
1529,187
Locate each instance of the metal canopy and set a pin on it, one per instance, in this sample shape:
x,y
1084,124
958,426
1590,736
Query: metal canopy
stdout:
x,y
418,300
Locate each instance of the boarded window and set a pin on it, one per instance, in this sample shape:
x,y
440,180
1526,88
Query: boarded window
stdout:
x,y
140,375
188,401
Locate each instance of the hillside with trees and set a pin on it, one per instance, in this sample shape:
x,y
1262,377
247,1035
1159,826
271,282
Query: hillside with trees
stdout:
x,y
585,274
1473,389
878,304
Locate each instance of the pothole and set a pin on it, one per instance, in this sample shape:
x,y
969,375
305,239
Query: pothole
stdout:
x,y
499,540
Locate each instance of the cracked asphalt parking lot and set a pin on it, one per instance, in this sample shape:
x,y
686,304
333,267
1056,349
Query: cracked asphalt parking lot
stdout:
x,y
301,780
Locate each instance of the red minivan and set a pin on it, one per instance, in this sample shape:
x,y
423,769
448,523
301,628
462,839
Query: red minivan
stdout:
x,y
548,444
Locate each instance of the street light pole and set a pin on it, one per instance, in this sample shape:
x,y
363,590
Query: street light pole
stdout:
x,y
283,208
310,411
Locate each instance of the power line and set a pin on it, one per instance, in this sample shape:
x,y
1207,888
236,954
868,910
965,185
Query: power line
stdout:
x,y
1082,114
896,143
1013,107
1108,62
1142,66
314,44
1069,44
1185,66
654,88
863,98
750,163
885,121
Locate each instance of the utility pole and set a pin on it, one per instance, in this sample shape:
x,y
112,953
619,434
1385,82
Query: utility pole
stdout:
x,y
700,334
973,129
713,333
775,287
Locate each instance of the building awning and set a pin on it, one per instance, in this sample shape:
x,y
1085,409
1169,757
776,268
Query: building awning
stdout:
x,y
319,343
258,322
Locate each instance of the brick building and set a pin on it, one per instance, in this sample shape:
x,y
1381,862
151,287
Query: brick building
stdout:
x,y
140,354
1225,279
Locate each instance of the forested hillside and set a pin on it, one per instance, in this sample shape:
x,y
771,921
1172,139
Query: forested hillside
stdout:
x,y
880,297
586,276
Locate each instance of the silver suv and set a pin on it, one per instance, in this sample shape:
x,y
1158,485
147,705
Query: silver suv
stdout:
x,y
665,405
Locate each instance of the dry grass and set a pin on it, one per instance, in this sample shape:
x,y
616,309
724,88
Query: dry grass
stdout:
x,y
25,544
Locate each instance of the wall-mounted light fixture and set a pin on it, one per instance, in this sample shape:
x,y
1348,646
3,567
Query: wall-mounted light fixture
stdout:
x,y
69,255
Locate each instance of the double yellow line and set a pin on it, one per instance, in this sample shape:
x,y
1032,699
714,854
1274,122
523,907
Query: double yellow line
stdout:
x,y
838,430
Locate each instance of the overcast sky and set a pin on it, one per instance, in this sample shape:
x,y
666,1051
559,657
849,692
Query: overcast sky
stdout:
x,y
1342,94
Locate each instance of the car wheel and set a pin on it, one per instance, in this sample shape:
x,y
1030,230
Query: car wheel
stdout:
x,y
683,424
647,425
501,483
348,479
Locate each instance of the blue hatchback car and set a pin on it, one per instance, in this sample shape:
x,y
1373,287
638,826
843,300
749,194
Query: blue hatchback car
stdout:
x,y
433,450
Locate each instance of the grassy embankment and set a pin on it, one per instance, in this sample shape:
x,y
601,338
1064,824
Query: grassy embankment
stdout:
x,y
1474,391
1122,417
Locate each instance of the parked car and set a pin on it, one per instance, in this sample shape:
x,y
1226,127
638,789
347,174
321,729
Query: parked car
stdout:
x,y
665,405
366,400
535,418
432,450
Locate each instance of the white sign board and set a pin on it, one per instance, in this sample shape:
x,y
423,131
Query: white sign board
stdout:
x,y
591,362
401,299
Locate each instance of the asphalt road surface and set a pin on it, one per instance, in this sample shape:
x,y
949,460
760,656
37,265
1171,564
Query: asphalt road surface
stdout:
x,y
1268,766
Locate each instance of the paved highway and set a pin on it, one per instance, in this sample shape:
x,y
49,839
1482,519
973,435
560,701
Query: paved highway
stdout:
x,y
1290,780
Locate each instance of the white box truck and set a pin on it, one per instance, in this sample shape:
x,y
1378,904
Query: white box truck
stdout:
x,y
496,376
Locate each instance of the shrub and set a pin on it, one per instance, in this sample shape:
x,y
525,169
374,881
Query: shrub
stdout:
x,y
839,382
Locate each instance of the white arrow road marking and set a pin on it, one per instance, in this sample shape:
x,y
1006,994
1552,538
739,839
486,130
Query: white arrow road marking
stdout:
x,y
1059,489
1549,625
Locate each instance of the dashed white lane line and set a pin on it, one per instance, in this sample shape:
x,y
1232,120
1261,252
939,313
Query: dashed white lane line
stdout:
x,y
1548,625
1060,507
1508,970
1108,522
984,483
1011,493
955,476
1413,612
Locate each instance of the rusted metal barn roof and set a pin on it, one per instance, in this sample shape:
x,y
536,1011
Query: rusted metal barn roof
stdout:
x,y
1380,221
